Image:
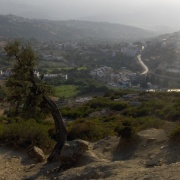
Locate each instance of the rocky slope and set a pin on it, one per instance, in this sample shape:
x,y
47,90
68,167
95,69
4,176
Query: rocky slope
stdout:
x,y
150,155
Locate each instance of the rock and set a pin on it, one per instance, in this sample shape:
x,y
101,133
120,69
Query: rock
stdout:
x,y
147,177
72,150
15,157
67,151
152,163
150,140
84,145
25,178
37,153
31,166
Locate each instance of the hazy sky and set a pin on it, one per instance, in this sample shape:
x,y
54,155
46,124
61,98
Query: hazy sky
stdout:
x,y
136,12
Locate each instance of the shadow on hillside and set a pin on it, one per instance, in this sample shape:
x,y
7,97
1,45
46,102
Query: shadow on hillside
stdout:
x,y
126,149
172,152
48,170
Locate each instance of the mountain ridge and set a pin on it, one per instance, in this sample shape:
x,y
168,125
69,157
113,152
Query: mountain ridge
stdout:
x,y
70,30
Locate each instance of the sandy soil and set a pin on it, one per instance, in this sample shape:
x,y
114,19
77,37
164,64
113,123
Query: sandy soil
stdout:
x,y
149,156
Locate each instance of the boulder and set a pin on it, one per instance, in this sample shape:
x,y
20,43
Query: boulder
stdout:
x,y
152,163
150,140
37,153
67,151
84,145
72,150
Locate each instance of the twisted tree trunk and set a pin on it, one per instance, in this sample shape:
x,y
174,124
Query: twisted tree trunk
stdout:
x,y
23,76
60,128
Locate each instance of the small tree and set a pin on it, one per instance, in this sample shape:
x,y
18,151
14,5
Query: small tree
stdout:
x,y
125,130
28,95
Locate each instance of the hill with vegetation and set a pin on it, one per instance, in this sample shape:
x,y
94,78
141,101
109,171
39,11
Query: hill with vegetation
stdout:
x,y
162,56
123,134
45,30
152,150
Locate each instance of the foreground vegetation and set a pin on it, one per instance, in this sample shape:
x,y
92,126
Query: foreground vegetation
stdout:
x,y
97,119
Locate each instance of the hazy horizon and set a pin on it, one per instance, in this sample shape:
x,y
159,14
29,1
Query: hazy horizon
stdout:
x,y
149,14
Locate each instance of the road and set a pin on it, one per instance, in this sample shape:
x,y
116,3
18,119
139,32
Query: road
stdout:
x,y
143,65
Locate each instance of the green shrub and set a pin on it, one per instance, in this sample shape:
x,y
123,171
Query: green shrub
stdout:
x,y
174,115
125,130
147,122
118,106
139,111
99,103
90,130
26,133
78,112
175,134
86,131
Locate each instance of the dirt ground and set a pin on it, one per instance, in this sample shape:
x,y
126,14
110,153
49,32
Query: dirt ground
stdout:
x,y
149,156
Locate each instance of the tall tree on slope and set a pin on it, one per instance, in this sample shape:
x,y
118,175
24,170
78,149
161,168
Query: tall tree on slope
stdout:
x,y
28,95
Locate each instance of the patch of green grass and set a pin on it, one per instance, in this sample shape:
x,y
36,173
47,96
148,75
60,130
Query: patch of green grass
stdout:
x,y
82,68
66,91
65,68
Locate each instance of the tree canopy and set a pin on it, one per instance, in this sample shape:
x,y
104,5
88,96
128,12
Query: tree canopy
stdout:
x,y
25,91
29,95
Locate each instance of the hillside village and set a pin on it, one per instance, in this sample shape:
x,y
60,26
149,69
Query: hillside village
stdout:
x,y
114,65
122,79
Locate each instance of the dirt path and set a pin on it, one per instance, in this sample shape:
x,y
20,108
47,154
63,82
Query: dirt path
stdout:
x,y
16,165
145,68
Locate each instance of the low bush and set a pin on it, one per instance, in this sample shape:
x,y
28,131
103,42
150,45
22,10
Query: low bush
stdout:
x,y
125,130
77,112
98,103
24,134
175,134
89,129
147,122
86,131
118,106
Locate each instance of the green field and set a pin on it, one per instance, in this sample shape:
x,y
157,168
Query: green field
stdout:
x,y
82,68
66,91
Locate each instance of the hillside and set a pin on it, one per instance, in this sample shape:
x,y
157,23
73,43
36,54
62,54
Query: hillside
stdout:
x,y
162,56
45,30
151,153
149,156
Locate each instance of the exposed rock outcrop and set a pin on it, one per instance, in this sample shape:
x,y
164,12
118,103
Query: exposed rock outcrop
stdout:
x,y
37,153
72,150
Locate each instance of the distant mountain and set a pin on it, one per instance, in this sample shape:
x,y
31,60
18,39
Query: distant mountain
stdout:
x,y
46,30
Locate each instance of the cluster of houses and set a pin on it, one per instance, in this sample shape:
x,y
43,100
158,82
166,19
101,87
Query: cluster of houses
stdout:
x,y
174,67
121,79
7,72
